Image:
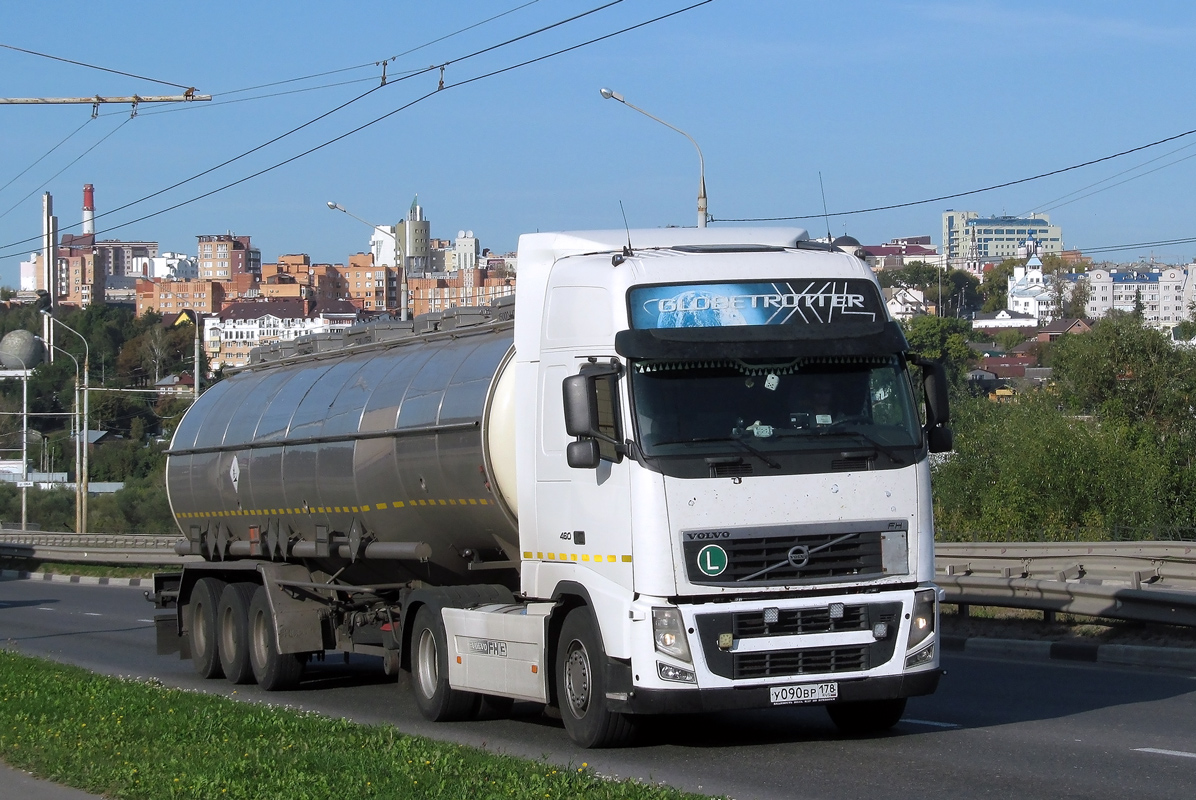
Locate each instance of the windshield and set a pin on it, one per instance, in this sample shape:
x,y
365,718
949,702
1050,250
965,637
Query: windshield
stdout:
x,y
762,410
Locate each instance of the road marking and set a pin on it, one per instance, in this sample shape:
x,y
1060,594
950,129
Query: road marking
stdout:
x,y
931,723
92,614
145,620
43,608
1179,753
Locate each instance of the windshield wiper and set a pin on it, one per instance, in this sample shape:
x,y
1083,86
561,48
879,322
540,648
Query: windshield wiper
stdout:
x,y
884,448
735,439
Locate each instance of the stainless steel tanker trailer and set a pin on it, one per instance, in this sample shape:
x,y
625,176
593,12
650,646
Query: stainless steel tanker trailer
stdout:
x,y
616,496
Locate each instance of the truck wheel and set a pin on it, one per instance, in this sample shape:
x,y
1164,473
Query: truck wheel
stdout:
x,y
581,686
273,671
866,716
201,626
233,624
437,701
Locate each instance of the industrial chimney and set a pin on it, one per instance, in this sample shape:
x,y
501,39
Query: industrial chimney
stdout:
x,y
89,209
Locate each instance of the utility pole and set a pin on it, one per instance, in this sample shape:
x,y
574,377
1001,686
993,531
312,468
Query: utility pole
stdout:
x,y
49,266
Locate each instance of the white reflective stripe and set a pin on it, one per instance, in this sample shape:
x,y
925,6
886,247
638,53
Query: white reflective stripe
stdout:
x,y
931,723
1179,753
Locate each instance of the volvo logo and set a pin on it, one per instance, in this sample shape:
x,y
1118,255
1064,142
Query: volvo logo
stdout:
x,y
799,556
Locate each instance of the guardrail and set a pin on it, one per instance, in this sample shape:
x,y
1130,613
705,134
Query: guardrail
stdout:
x,y
1137,581
93,548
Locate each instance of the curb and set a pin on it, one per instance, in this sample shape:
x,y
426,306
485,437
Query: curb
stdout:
x,y
1118,654
21,575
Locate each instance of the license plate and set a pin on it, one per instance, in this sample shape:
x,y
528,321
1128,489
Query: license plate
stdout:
x,y
804,693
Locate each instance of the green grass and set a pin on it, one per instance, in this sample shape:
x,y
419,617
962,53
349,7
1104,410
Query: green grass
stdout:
x,y
133,739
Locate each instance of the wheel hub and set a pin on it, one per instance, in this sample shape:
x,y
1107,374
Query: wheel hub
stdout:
x,y
577,678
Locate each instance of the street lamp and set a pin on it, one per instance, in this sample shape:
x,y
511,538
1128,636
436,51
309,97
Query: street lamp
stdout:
x,y
398,249
612,95
78,445
86,418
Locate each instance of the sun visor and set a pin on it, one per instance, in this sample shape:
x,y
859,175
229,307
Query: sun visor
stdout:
x,y
834,339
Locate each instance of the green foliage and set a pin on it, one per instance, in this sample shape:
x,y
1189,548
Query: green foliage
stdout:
x,y
941,338
995,288
1010,338
129,739
1111,444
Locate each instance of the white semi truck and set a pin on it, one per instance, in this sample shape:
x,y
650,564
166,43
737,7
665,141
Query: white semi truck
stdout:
x,y
686,470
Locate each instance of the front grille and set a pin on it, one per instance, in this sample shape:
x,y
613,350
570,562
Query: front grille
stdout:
x,y
730,470
800,662
790,556
750,624
850,464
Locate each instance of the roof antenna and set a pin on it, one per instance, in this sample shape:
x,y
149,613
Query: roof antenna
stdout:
x,y
825,215
619,258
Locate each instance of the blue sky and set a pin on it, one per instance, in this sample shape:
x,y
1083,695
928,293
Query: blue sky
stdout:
x,y
892,102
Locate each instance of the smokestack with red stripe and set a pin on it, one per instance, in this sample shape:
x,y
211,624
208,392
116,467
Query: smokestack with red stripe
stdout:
x,y
89,209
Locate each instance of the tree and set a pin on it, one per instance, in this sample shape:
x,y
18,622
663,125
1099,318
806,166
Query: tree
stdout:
x,y
1077,305
995,288
1010,338
943,338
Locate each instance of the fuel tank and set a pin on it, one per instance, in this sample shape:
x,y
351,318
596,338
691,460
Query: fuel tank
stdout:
x,y
396,456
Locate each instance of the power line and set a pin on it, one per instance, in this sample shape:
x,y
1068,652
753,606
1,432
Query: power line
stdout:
x,y
1049,205
326,114
940,198
404,107
43,156
91,66
64,169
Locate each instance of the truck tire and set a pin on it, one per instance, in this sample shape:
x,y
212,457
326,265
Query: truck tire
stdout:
x,y
233,627
867,716
581,686
437,701
201,627
273,671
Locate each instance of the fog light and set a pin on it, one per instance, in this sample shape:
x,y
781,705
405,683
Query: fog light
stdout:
x,y
836,610
771,615
668,672
880,630
668,632
726,641
920,658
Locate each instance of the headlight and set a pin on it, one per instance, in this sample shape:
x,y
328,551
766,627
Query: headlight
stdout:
x,y
922,619
668,631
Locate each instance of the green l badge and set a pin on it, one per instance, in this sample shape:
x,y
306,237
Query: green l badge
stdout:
x,y
712,560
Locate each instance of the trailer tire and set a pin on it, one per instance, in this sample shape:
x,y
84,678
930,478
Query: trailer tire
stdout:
x,y
233,627
201,627
437,701
581,686
273,671
866,717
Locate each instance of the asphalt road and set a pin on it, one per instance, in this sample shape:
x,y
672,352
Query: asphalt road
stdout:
x,y
995,728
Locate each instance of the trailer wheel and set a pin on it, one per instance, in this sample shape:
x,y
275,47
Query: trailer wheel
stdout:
x,y
867,716
273,671
201,627
581,686
233,626
437,701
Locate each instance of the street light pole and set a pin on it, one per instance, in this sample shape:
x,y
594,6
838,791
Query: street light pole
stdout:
x,y
78,448
86,418
398,249
702,215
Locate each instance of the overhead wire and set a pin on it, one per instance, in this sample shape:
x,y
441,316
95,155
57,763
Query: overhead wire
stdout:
x,y
401,108
45,154
940,198
326,114
1049,205
91,66
103,139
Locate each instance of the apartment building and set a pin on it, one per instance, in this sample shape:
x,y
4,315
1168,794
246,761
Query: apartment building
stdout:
x,y
172,296
230,334
223,256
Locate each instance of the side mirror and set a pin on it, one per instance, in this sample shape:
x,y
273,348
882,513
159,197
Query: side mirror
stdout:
x,y
581,411
940,440
583,454
934,383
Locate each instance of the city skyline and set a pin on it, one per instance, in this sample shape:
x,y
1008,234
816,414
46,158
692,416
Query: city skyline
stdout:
x,y
889,105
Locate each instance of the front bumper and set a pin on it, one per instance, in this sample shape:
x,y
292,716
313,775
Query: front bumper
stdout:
x,y
689,701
